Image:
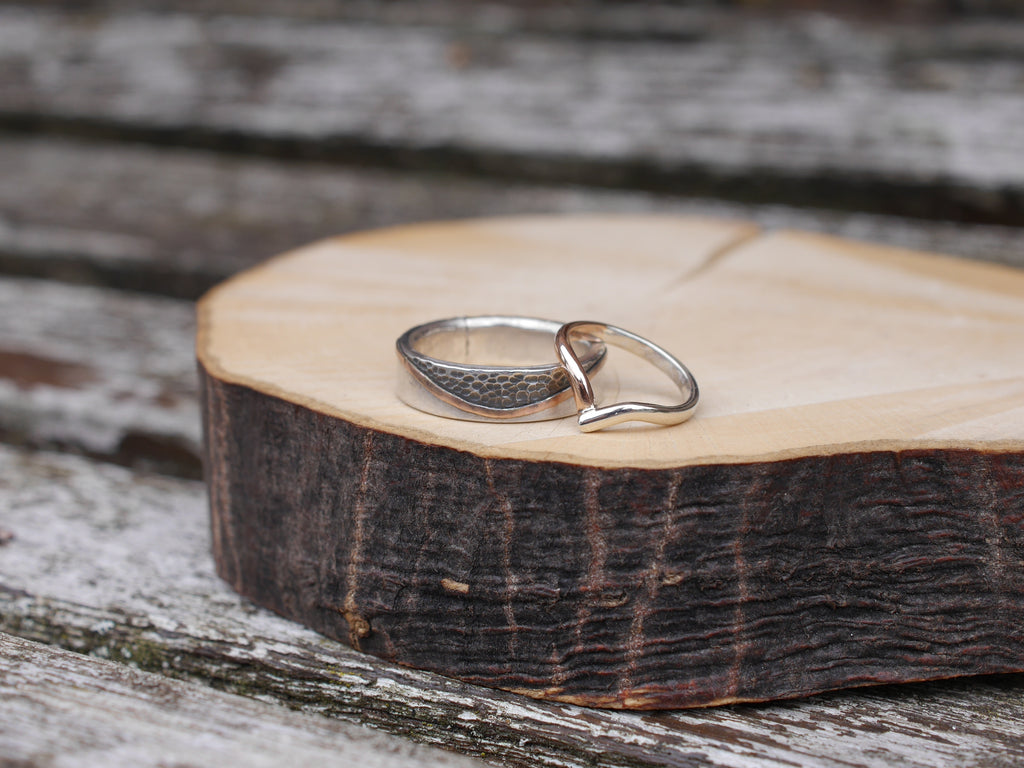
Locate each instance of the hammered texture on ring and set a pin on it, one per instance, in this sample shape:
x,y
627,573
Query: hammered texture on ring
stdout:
x,y
493,367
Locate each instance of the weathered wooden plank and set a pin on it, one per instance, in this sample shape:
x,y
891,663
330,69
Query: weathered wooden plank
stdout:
x,y
182,220
116,564
62,708
100,372
606,19
809,110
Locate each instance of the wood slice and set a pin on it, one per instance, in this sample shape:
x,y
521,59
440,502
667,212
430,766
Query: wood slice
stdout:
x,y
846,508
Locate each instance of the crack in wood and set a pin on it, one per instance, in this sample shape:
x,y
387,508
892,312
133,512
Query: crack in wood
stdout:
x,y
651,582
511,581
216,451
591,587
741,643
718,254
359,626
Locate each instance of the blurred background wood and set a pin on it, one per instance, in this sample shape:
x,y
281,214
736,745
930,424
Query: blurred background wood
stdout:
x,y
149,149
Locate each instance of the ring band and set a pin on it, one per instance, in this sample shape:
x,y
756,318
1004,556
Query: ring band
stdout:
x,y
473,368
592,417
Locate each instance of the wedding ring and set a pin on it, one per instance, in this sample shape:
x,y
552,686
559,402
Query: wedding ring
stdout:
x,y
491,367
592,417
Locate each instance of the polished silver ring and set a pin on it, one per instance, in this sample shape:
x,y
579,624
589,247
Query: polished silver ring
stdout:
x,y
592,417
484,368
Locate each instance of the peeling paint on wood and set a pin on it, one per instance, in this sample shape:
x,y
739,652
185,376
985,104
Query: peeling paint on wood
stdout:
x,y
99,372
58,707
29,371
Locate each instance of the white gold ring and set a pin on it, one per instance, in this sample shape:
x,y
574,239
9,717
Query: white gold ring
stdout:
x,y
591,416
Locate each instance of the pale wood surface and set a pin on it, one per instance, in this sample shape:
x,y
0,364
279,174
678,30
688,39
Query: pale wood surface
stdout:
x,y
115,564
803,345
62,708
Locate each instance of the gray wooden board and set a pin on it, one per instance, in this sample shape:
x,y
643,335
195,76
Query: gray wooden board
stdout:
x,y
60,708
115,564
175,221
926,120
100,372
605,18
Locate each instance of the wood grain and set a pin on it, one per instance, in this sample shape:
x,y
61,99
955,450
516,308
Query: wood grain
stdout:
x,y
116,564
62,708
811,529
804,110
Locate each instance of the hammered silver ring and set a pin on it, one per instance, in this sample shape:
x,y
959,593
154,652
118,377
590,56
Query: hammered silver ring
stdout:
x,y
489,368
